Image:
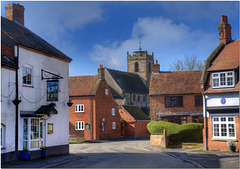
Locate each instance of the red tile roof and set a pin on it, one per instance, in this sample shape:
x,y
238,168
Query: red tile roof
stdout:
x,y
228,58
187,82
83,85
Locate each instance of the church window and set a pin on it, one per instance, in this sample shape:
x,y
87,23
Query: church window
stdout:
x,y
136,67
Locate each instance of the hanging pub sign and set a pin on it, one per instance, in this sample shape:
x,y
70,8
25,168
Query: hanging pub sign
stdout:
x,y
52,90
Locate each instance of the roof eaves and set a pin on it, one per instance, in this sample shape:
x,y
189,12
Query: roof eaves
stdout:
x,y
209,60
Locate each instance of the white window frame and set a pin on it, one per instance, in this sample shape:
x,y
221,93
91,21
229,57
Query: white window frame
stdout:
x,y
31,72
220,123
79,108
218,77
79,125
3,135
113,111
113,125
29,132
106,91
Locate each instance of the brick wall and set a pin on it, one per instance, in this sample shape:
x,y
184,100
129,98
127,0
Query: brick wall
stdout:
x,y
157,105
141,130
221,145
132,128
104,105
88,102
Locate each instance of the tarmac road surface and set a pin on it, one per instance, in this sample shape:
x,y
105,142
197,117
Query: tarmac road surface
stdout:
x,y
121,154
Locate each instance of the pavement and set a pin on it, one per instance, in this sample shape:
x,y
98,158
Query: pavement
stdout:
x,y
48,162
197,156
191,154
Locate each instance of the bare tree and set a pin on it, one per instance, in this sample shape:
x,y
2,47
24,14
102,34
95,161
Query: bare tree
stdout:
x,y
188,64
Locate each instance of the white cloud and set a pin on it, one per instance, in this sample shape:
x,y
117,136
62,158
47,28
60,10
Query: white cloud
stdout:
x,y
162,36
54,20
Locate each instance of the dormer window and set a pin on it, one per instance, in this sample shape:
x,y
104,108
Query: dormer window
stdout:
x,y
223,79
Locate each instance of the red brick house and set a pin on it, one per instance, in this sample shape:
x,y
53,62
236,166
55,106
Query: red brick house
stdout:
x,y
175,96
94,113
134,122
220,87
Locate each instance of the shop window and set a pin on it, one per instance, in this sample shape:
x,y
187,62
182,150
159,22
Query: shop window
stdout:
x,y
32,133
3,136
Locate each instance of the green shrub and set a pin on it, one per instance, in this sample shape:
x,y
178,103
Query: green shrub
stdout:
x,y
190,132
157,127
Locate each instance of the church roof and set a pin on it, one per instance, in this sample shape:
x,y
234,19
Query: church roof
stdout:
x,y
129,82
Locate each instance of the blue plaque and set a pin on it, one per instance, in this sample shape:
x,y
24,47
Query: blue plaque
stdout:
x,y
223,100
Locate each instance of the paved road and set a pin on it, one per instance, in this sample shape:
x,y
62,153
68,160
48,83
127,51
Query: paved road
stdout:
x,y
121,154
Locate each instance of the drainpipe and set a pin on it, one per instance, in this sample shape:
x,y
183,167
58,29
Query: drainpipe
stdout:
x,y
16,123
90,118
205,122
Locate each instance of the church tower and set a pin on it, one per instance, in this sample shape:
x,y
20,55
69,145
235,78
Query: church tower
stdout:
x,y
141,63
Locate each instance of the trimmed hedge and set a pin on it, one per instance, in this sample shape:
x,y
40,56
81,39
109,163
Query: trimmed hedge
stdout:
x,y
190,132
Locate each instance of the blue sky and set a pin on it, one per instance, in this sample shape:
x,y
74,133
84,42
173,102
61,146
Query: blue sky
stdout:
x,y
94,33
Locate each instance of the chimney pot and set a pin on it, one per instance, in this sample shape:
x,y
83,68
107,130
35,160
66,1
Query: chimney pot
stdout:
x,y
15,12
101,74
156,67
224,19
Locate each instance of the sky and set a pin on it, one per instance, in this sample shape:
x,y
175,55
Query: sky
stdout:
x,y
93,33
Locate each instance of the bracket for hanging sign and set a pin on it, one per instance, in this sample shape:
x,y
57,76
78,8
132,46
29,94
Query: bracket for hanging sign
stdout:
x,y
49,76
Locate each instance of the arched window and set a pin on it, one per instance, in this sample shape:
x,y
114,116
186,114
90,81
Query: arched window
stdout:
x,y
136,67
149,67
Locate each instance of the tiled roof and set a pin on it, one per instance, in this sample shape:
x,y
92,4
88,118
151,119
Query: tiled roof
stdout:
x,y
187,82
83,85
20,34
115,94
136,112
228,58
7,62
129,82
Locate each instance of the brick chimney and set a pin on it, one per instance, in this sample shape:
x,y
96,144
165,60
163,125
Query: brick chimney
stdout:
x,y
156,67
15,12
224,30
101,74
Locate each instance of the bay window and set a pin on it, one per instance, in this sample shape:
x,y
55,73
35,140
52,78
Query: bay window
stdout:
x,y
32,133
224,127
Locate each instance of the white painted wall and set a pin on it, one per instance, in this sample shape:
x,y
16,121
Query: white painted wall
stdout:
x,y
8,108
38,94
214,100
